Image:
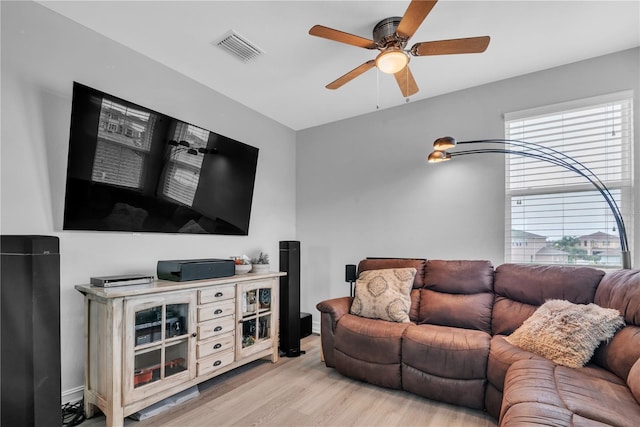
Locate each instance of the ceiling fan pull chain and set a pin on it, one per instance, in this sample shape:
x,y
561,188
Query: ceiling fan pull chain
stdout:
x,y
406,71
377,89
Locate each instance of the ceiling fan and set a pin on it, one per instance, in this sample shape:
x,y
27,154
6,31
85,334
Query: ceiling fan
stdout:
x,y
390,37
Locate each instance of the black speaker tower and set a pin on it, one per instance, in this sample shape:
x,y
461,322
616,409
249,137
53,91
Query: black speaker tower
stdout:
x,y
290,299
30,367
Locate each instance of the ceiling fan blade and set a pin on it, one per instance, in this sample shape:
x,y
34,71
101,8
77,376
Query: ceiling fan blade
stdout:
x,y
406,82
341,36
447,47
351,75
413,17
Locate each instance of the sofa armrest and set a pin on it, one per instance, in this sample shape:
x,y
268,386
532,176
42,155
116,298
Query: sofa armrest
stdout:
x,y
335,308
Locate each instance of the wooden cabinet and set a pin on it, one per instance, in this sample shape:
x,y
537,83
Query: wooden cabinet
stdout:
x,y
144,343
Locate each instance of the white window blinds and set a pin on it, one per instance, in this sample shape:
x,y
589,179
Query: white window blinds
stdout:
x,y
554,215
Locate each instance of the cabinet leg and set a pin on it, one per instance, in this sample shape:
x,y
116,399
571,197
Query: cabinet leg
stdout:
x,y
115,418
89,409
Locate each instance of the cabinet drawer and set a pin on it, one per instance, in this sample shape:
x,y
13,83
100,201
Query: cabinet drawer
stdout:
x,y
215,345
215,310
217,293
212,328
214,362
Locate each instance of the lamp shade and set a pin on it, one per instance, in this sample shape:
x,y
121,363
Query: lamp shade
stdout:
x,y
392,61
438,156
444,143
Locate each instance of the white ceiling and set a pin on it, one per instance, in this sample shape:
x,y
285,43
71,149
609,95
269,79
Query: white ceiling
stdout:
x,y
286,83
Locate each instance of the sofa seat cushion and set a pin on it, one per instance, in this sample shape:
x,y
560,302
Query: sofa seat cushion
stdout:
x,y
446,364
369,350
371,340
633,380
503,354
531,414
557,395
446,351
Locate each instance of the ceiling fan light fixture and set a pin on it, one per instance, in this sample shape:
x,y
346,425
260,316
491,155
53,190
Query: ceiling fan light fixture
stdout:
x,y
391,61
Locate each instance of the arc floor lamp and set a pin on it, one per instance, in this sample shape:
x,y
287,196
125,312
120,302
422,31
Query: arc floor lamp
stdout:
x,y
540,152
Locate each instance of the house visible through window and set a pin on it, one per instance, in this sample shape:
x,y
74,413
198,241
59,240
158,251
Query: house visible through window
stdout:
x,y
556,216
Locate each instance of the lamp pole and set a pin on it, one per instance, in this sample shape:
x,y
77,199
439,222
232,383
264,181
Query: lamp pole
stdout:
x,y
546,154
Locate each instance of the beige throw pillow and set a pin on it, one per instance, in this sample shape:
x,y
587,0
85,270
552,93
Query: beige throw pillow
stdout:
x,y
384,294
567,333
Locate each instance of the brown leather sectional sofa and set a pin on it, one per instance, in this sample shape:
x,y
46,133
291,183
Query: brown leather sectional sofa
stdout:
x,y
455,351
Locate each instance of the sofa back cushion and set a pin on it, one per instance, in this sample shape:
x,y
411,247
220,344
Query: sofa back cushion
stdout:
x,y
521,288
384,263
457,293
418,280
621,290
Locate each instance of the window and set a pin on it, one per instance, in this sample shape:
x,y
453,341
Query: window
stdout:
x,y
556,216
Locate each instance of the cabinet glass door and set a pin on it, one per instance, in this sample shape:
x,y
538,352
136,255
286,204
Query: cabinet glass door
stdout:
x,y
157,357
161,345
255,332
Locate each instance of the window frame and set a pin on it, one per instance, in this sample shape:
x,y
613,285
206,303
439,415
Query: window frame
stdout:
x,y
623,185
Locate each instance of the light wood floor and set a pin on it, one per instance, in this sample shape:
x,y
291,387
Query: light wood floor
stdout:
x,y
303,392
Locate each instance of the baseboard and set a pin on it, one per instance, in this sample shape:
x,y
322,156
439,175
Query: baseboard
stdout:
x,y
72,395
315,327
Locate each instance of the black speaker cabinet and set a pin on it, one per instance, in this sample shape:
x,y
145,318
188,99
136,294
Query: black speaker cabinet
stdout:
x,y
350,274
30,364
305,324
290,298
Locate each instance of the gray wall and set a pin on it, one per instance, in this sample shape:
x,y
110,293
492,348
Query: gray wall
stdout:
x,y
364,187
42,54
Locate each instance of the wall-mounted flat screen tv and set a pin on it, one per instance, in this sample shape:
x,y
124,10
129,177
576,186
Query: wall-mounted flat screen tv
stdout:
x,y
134,169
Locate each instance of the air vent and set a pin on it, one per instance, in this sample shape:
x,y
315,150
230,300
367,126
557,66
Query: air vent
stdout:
x,y
238,46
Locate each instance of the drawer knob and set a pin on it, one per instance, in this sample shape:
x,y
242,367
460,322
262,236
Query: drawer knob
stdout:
x,y
217,329
218,294
217,346
218,311
217,363
194,334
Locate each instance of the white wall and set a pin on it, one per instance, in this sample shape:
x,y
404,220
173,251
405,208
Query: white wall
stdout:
x,y
42,54
365,189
